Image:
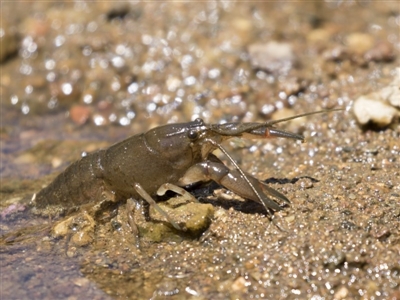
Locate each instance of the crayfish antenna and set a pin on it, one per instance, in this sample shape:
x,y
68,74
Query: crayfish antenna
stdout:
x,y
273,132
266,130
269,123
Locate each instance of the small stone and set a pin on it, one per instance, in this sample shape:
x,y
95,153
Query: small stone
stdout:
x,y
79,114
306,183
200,219
82,238
359,43
383,51
352,197
272,56
341,293
56,162
82,282
61,229
370,108
320,35
381,233
240,285
195,218
290,219
71,252
379,107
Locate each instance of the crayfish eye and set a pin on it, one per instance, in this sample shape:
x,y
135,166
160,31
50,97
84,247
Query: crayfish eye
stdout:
x,y
192,134
199,121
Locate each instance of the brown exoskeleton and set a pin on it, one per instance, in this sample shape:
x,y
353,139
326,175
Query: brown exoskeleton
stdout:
x,y
165,158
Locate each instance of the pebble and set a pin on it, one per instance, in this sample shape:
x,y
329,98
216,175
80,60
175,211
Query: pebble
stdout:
x,y
272,56
382,51
370,108
359,43
379,107
240,284
79,114
306,183
319,35
341,293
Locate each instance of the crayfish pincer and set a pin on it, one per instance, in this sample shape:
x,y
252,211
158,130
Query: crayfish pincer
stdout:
x,y
168,157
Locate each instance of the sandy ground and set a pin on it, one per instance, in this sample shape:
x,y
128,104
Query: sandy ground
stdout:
x,y
78,77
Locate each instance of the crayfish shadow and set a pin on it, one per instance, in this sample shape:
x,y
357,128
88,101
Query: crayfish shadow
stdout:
x,y
206,193
273,180
246,206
